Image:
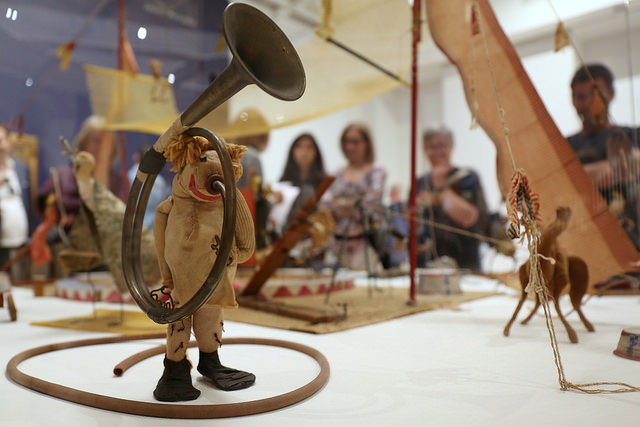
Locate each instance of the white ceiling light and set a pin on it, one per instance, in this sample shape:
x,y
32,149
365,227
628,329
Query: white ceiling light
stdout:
x,y
11,14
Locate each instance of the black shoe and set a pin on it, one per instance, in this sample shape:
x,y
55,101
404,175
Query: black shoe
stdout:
x,y
175,384
224,378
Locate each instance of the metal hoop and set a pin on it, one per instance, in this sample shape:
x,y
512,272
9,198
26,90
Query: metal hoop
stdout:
x,y
165,410
132,232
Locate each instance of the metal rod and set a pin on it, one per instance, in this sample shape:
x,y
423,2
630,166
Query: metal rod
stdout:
x,y
413,239
367,60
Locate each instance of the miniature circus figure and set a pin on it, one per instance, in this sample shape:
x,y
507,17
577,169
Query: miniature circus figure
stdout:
x,y
558,270
96,235
187,230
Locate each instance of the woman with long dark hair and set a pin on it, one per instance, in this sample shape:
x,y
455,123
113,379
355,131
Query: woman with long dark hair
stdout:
x,y
304,163
303,172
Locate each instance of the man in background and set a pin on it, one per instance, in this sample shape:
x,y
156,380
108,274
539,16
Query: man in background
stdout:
x,y
608,152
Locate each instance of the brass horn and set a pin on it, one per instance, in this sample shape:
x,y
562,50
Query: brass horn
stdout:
x,y
262,55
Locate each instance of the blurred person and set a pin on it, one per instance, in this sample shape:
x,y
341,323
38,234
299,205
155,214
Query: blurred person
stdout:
x,y
354,199
601,144
253,131
303,172
451,196
304,162
14,199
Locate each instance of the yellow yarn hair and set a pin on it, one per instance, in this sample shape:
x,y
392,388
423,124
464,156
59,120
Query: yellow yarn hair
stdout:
x,y
186,150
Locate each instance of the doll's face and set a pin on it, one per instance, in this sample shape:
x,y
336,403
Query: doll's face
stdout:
x,y
197,180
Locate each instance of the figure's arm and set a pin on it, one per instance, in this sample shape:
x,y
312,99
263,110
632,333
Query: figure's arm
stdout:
x,y
245,242
458,209
333,200
604,176
159,229
600,173
464,201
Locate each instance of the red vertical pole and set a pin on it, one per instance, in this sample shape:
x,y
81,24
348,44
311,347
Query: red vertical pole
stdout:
x,y
413,245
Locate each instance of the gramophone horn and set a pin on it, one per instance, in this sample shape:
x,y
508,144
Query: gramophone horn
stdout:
x,y
262,55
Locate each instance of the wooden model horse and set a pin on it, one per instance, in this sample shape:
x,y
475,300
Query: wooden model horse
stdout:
x,y
565,270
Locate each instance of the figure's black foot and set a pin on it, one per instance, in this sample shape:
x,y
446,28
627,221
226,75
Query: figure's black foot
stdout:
x,y
227,379
175,384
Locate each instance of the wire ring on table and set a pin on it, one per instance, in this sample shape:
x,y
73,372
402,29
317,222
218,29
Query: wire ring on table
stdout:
x,y
164,410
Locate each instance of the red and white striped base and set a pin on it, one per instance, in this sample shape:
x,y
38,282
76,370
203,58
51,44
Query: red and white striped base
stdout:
x,y
286,283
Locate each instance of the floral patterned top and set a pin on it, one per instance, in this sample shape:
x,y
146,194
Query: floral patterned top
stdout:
x,y
353,203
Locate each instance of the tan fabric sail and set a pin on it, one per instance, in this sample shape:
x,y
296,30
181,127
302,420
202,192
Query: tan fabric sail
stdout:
x,y
539,148
379,30
132,102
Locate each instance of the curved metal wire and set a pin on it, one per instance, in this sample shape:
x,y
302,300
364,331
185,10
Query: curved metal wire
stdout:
x,y
168,410
132,232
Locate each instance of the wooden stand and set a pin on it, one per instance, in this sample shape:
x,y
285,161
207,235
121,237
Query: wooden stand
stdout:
x,y
292,235
313,315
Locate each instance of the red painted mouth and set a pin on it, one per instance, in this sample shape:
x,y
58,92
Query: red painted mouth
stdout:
x,y
198,194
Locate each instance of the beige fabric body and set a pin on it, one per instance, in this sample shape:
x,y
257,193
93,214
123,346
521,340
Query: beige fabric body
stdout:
x,y
187,231
190,229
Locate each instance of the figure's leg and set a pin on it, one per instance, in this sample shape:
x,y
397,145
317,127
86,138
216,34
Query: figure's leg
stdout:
x,y
178,335
207,327
533,311
175,384
523,274
523,296
556,284
573,337
579,279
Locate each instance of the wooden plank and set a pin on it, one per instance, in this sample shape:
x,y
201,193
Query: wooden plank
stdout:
x,y
292,235
310,314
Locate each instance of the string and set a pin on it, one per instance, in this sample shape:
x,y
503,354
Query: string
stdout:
x,y
533,235
624,174
439,225
505,130
472,85
631,74
481,237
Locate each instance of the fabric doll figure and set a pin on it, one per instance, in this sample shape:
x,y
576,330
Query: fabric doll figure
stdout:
x,y
187,231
